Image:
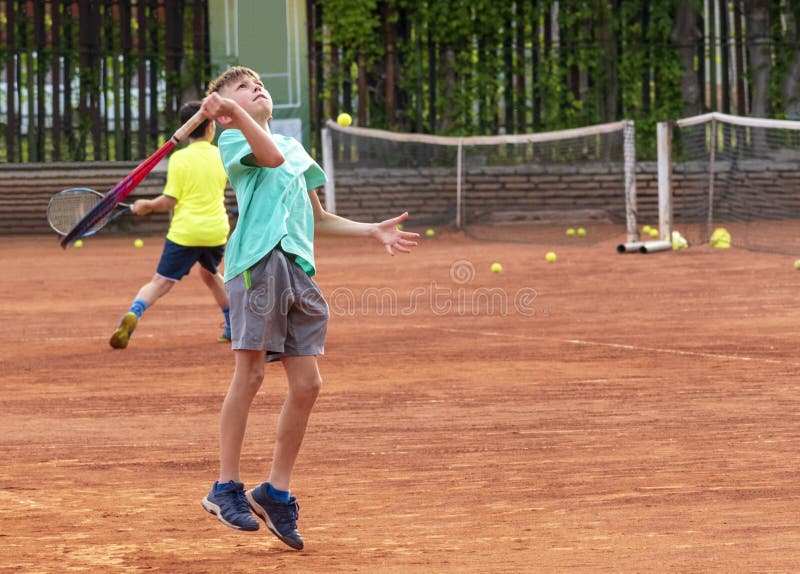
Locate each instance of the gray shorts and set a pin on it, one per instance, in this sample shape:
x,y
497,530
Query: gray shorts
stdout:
x,y
282,313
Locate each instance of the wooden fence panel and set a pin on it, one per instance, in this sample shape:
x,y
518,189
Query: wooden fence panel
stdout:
x,y
97,79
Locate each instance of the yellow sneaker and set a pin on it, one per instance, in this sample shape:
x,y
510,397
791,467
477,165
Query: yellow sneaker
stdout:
x,y
122,334
225,337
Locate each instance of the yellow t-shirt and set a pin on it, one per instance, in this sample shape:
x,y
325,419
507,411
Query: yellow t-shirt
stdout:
x,y
196,178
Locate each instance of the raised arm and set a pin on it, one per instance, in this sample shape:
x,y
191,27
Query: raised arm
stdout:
x,y
231,115
385,232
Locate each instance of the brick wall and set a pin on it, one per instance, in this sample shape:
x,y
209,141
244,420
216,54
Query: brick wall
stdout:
x,y
552,191
429,195
26,188
492,193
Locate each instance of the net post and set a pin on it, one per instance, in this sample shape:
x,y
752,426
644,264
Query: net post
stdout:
x,y
711,177
629,151
327,165
459,192
664,146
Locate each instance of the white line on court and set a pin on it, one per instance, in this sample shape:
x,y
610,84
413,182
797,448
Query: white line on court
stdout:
x,y
82,338
622,346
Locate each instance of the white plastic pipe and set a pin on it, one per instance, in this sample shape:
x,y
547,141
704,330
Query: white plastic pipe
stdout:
x,y
654,246
630,247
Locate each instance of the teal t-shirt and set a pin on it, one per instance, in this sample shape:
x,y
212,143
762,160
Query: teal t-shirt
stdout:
x,y
274,207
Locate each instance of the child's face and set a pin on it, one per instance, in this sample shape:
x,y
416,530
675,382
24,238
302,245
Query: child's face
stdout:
x,y
251,95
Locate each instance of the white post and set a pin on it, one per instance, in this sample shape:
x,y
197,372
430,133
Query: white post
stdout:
x,y
664,144
711,175
459,194
327,165
629,149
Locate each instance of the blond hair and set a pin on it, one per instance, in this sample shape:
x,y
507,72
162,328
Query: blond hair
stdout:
x,y
231,74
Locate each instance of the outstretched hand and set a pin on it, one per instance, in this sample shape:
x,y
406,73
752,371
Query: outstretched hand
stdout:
x,y
394,239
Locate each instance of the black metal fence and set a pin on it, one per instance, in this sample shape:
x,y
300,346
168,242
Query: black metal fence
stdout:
x,y
97,79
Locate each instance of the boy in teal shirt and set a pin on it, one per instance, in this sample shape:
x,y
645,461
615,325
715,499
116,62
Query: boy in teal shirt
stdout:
x,y
277,311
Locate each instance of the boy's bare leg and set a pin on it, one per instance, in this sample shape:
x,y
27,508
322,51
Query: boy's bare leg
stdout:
x,y
155,289
304,385
149,293
248,375
216,285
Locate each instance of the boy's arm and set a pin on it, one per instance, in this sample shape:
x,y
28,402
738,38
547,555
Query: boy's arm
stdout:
x,y
160,203
385,232
231,115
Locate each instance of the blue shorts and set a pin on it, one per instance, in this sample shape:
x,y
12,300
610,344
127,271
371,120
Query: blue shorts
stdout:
x,y
177,260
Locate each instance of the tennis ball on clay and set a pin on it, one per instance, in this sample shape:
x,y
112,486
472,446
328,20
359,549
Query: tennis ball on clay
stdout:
x,y
78,243
797,264
646,229
344,119
581,231
430,233
654,233
570,231
496,267
550,257
138,243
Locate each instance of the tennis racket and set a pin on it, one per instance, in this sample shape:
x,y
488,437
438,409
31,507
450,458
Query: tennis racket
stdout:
x,y
70,206
99,214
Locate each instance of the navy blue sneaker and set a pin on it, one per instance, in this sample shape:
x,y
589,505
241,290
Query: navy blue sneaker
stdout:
x,y
280,517
230,506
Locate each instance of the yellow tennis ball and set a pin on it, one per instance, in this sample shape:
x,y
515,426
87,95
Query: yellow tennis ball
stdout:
x,y
721,238
550,257
78,243
496,267
654,233
344,119
138,243
430,233
797,264
646,230
581,231
570,231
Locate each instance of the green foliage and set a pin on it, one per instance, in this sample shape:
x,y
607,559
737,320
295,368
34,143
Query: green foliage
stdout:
x,y
354,25
457,62
785,50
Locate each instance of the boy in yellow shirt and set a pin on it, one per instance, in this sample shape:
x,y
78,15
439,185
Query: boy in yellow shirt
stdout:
x,y
199,228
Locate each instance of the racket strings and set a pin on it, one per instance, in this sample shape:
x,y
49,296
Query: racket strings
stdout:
x,y
99,215
68,208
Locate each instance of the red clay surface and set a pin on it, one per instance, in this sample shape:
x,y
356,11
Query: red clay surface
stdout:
x,y
639,414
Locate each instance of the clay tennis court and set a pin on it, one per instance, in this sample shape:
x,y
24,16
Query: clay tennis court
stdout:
x,y
606,413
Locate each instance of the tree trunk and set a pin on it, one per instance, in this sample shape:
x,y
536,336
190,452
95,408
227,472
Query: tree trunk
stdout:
x,y
791,83
508,73
608,84
685,36
431,82
741,98
334,77
362,89
725,56
451,111
519,78
713,93
391,107
757,18
645,19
